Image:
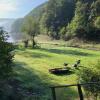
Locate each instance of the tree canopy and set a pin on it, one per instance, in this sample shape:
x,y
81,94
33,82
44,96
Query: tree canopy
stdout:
x,y
67,19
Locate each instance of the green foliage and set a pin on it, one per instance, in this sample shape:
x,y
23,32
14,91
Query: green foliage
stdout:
x,y
91,74
20,24
79,23
43,28
7,90
85,21
31,27
49,16
57,16
6,56
65,19
96,8
97,22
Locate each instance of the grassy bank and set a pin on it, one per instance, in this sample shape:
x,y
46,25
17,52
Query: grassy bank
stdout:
x,y
32,67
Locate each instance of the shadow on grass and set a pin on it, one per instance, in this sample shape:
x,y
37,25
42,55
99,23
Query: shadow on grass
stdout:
x,y
62,73
65,74
33,54
37,83
31,83
67,52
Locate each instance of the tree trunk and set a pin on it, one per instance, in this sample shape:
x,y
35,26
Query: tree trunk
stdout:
x,y
26,43
33,42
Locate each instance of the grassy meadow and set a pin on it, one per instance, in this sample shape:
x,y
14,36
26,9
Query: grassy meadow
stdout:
x,y
32,68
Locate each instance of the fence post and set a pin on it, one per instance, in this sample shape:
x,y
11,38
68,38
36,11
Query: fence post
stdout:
x,y
80,92
53,93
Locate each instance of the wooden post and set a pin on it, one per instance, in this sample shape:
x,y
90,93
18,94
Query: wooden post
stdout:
x,y
80,92
53,93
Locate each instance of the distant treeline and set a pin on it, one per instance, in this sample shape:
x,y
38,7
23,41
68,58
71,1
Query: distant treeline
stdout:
x,y
63,19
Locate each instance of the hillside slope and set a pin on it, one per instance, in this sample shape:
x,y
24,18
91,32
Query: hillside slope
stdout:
x,y
16,27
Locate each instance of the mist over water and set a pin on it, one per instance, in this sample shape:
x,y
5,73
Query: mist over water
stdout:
x,y
7,24
10,39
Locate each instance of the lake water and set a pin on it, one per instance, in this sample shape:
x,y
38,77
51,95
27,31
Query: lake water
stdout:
x,y
6,24
10,39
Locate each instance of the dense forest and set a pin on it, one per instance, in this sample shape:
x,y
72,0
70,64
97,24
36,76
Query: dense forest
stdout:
x,y
63,19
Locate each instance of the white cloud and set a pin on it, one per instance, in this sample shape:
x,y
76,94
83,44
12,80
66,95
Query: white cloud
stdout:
x,y
7,6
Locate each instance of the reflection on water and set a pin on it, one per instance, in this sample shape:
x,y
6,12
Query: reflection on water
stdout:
x,y
10,39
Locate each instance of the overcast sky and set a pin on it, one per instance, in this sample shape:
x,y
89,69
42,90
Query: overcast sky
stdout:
x,y
17,8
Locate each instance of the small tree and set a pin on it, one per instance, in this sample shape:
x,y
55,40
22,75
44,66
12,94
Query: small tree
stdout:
x,y
6,58
6,63
91,74
31,27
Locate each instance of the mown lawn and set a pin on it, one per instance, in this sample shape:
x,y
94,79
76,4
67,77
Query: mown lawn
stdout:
x,y
32,67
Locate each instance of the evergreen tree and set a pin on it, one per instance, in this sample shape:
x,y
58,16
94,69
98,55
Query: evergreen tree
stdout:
x,y
57,16
78,25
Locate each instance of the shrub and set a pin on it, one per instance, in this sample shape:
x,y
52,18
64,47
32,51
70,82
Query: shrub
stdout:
x,y
6,62
91,74
6,56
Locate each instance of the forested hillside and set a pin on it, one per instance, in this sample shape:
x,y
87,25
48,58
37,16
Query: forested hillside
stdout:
x,y
16,26
85,23
37,11
64,19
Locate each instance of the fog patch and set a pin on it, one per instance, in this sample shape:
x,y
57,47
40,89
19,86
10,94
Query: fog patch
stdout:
x,y
6,24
